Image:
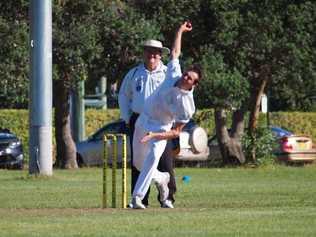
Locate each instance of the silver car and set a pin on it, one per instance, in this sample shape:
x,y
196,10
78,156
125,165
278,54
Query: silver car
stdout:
x,y
192,144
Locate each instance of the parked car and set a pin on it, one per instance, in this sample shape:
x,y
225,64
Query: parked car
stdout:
x,y
192,142
291,148
11,150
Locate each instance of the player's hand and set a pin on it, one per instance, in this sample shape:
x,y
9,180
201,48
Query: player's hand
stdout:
x,y
186,26
147,137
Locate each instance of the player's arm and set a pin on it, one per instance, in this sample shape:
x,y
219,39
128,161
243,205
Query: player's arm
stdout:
x,y
176,49
173,133
174,68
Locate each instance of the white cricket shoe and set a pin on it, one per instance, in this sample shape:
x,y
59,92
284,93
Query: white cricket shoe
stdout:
x,y
167,204
137,203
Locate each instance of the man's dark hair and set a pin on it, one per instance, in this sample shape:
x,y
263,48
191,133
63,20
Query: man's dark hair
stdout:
x,y
196,68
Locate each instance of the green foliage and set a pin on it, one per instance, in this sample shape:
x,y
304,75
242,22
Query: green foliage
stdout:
x,y
102,38
96,119
253,37
122,32
205,118
75,38
262,143
14,52
98,38
297,122
169,15
220,87
295,81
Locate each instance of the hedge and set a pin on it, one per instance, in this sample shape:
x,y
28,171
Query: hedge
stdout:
x,y
298,122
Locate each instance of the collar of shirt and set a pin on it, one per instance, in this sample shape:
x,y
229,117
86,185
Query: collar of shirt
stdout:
x,y
157,70
185,92
182,90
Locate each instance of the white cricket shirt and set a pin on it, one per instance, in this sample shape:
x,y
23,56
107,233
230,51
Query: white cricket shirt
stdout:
x,y
168,104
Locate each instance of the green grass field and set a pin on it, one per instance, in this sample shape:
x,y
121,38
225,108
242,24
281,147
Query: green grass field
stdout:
x,y
268,201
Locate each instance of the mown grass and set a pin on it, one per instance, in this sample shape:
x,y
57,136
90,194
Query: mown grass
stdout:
x,y
268,201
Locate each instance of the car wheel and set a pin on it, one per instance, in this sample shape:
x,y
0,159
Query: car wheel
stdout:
x,y
79,161
19,166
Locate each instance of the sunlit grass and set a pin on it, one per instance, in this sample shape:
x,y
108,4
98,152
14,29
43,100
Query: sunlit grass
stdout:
x,y
270,201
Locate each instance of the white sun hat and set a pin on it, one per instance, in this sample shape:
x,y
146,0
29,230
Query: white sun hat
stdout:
x,y
156,44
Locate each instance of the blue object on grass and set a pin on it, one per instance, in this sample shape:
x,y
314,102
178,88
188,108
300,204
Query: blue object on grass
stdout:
x,y
186,179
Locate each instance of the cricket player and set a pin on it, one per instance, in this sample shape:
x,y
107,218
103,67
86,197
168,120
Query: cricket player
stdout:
x,y
165,114
137,86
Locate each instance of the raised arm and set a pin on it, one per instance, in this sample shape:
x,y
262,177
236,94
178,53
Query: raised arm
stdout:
x,y
176,50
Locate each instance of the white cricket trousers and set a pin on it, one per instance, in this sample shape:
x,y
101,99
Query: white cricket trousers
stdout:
x,y
146,158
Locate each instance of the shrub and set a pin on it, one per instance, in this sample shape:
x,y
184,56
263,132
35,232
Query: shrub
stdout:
x,y
262,143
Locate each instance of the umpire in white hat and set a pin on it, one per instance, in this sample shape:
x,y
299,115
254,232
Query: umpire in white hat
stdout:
x,y
138,84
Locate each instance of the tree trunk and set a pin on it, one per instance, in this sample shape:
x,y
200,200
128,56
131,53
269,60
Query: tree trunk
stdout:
x,y
255,99
230,142
66,148
257,90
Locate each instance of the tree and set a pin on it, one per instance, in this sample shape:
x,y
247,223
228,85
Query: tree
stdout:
x,y
223,86
14,54
74,47
266,42
226,90
91,39
294,84
269,44
256,40
122,32
266,48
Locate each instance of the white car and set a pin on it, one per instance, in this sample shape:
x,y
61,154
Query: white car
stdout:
x,y
192,142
